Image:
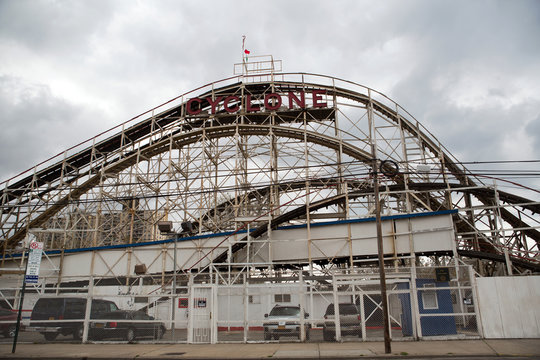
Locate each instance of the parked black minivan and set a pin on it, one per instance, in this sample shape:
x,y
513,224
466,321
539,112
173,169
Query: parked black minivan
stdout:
x,y
65,308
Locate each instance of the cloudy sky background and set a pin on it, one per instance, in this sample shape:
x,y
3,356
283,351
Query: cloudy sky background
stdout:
x,y
469,71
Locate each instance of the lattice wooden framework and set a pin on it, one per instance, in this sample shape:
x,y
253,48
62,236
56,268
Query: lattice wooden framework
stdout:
x,y
207,169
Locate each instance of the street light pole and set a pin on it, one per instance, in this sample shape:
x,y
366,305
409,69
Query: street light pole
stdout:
x,y
380,251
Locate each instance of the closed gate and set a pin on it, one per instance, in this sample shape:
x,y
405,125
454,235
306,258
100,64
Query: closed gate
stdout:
x,y
366,294
202,315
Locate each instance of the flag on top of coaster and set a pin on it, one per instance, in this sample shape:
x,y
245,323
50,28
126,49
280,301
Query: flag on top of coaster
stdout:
x,y
246,51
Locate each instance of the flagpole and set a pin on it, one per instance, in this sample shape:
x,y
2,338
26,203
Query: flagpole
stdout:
x,y
243,49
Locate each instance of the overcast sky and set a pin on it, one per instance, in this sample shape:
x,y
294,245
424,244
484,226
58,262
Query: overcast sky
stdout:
x,y
468,70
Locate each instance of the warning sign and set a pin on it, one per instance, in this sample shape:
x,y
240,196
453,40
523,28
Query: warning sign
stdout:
x,y
34,261
442,274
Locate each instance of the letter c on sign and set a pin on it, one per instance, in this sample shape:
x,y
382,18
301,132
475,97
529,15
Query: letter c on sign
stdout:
x,y
188,106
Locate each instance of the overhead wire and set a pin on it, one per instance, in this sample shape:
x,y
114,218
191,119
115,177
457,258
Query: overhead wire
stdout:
x,y
265,184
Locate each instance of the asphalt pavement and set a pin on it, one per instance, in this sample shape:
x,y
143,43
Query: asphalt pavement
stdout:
x,y
459,349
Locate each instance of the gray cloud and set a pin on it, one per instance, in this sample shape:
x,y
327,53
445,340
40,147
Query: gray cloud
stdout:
x,y
36,125
467,70
533,129
54,27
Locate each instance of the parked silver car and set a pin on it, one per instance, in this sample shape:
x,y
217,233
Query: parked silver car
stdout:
x,y
349,318
284,321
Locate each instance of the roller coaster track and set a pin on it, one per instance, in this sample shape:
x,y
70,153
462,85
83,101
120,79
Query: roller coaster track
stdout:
x,y
176,128
69,169
298,212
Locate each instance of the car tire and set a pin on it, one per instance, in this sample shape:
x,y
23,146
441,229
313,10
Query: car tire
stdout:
x,y
327,336
78,332
50,336
267,336
130,335
10,333
307,334
276,337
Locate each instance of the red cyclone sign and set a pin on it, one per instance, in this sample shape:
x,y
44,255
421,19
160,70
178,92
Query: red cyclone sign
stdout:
x,y
270,102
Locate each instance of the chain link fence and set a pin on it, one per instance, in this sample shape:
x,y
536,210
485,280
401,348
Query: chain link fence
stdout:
x,y
289,306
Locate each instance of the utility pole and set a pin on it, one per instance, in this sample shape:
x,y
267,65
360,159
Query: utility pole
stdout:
x,y
21,301
380,251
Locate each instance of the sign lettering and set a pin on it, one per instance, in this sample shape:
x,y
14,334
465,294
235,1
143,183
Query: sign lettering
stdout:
x,y
34,261
249,103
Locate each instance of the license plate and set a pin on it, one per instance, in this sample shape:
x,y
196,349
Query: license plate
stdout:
x,y
281,327
51,318
99,325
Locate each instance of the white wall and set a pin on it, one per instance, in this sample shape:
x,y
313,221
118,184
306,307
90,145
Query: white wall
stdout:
x,y
429,233
510,306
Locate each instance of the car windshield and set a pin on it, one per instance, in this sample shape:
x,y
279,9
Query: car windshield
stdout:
x,y
344,309
285,311
44,305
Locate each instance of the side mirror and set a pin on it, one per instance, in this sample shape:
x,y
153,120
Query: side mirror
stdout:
x,y
265,315
306,315
151,318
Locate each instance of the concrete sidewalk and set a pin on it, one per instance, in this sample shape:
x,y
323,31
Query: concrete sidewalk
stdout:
x,y
450,348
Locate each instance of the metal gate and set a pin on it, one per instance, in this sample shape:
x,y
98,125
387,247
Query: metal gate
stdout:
x,y
202,324
365,293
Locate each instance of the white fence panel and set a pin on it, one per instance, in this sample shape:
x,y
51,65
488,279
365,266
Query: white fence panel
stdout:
x,y
509,306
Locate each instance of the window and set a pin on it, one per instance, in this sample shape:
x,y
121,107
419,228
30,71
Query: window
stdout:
x,y
50,305
75,308
285,311
98,307
344,309
429,297
282,298
254,299
139,315
113,306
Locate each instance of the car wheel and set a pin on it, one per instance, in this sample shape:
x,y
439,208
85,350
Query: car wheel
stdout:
x,y
276,337
130,334
267,336
327,335
10,333
307,334
50,336
78,332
